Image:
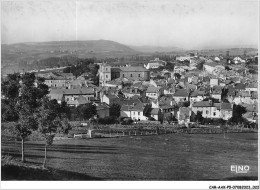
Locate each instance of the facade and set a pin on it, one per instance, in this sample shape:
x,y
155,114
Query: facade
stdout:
x,y
72,95
104,73
156,63
181,95
102,110
108,73
135,111
153,92
213,110
183,115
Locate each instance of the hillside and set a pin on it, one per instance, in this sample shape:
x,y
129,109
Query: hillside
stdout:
x,y
152,49
14,54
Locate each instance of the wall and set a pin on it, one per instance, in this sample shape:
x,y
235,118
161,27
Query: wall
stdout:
x,y
136,75
103,113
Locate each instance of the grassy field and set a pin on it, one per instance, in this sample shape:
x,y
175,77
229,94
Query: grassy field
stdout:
x,y
163,157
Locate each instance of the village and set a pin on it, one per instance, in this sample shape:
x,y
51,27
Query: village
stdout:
x,y
196,85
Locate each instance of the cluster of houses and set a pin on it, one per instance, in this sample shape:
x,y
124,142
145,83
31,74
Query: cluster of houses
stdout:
x,y
143,95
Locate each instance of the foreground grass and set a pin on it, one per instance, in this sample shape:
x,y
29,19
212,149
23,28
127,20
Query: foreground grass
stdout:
x,y
163,157
13,169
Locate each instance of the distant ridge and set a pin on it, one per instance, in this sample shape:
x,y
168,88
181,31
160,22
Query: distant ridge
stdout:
x,y
90,45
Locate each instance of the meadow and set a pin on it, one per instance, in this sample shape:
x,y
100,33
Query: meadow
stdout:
x,y
161,157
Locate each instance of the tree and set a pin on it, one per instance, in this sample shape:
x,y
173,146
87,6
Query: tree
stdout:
x,y
238,111
10,93
115,110
224,129
86,111
198,117
200,65
48,120
24,96
24,128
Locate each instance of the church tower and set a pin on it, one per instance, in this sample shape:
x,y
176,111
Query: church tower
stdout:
x,y
104,73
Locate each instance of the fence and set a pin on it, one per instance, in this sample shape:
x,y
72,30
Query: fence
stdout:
x,y
151,129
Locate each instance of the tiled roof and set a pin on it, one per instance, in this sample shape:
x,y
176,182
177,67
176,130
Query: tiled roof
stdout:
x,y
202,104
240,86
181,93
155,111
152,89
226,106
133,107
252,85
243,94
133,69
102,106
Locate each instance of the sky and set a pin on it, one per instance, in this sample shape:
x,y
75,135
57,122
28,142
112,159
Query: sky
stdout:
x,y
175,23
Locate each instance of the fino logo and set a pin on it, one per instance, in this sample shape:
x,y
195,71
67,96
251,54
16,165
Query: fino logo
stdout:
x,y
240,169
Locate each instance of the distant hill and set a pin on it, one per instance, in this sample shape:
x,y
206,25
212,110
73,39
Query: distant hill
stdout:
x,y
84,46
13,54
152,49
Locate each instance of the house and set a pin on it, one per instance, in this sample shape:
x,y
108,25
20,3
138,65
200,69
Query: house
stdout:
x,y
252,87
213,110
179,69
135,111
197,96
216,92
183,115
80,100
156,63
102,110
57,80
130,92
167,106
238,59
211,67
181,95
183,58
71,95
109,99
243,97
214,82
251,117
169,90
156,113
207,108
226,110
217,59
153,92
56,94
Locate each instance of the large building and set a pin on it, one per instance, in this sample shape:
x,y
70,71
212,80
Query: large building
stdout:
x,y
108,73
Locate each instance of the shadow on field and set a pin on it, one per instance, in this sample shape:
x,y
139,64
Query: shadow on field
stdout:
x,y
13,172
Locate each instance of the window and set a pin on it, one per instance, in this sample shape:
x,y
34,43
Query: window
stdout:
x,y
123,75
106,69
207,112
214,113
139,75
106,76
131,75
138,113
